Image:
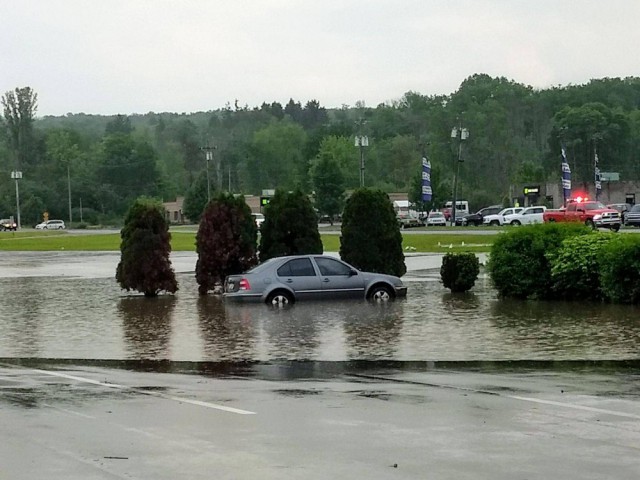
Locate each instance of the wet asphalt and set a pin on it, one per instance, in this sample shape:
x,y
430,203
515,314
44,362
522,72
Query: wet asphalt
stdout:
x,y
115,419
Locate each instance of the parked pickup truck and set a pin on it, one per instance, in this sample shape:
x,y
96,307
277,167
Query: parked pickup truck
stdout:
x,y
591,213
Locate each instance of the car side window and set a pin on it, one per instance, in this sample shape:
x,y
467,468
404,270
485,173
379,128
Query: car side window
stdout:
x,y
331,267
298,267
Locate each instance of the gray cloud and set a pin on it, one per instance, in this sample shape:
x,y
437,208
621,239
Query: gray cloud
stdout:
x,y
137,56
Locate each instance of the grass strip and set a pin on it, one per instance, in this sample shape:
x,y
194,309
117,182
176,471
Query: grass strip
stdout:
x,y
185,242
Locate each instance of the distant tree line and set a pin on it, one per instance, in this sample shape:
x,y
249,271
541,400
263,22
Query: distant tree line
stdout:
x,y
515,137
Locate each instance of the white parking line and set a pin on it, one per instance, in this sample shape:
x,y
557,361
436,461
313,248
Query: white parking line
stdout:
x,y
198,403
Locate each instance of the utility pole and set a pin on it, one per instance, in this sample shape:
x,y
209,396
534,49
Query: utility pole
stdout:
x,y
461,134
69,191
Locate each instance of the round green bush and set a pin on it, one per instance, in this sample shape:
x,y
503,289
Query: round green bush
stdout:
x,y
575,269
459,271
519,260
620,270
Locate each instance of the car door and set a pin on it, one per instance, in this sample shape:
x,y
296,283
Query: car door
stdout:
x,y
338,279
299,275
535,215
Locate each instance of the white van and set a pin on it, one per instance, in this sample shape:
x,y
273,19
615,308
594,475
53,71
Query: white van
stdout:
x,y
462,209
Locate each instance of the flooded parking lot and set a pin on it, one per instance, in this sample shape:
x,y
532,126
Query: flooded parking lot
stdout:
x,y
68,305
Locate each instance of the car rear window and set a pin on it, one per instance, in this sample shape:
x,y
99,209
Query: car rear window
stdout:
x,y
329,267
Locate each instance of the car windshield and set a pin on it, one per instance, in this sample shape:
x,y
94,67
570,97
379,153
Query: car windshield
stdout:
x,y
593,206
636,208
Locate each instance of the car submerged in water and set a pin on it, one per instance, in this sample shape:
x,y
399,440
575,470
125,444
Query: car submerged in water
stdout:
x,y
282,281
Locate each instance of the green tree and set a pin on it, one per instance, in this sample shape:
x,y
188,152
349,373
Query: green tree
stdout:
x,y
145,247
20,107
276,159
290,226
371,242
328,185
225,242
128,168
196,199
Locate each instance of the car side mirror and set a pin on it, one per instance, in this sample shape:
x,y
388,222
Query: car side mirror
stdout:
x,y
353,272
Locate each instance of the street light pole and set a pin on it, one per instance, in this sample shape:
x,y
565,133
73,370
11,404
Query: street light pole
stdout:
x,y
208,155
361,141
69,190
461,134
17,175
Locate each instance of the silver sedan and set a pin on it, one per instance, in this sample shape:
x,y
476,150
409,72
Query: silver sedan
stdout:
x,y
285,280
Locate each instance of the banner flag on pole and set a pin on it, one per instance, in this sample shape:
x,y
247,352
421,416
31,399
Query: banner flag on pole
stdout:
x,y
426,180
566,177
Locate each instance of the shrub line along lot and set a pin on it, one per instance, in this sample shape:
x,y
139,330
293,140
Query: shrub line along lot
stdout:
x,y
185,241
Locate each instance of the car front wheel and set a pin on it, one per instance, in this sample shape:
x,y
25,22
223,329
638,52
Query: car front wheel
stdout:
x,y
516,222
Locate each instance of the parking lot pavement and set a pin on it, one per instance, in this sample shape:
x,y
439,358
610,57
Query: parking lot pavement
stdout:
x,y
316,421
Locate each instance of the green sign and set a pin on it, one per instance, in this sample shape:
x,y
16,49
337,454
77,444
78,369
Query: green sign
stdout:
x,y
532,190
264,201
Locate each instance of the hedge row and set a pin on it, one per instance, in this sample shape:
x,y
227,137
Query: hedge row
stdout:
x,y
566,261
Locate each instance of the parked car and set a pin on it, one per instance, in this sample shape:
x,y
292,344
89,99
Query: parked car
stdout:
x,y
284,280
632,219
498,218
477,218
7,224
51,225
436,219
527,216
623,208
591,213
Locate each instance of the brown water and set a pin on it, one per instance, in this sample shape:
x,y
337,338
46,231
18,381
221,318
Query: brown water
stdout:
x,y
91,318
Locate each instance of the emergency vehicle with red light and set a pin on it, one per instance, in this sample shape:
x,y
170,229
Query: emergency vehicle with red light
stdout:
x,y
590,212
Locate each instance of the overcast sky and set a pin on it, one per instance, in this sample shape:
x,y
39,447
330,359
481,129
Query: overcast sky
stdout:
x,y
137,56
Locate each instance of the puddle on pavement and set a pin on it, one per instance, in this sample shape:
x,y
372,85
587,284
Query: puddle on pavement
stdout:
x,y
92,318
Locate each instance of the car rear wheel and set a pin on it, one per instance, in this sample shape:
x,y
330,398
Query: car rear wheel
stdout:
x,y
280,298
381,294
516,223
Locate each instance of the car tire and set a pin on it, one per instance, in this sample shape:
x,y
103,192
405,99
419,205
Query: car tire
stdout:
x,y
516,223
280,298
589,223
381,294
615,228
494,223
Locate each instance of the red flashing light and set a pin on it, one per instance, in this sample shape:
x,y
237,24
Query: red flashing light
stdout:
x,y
581,199
244,284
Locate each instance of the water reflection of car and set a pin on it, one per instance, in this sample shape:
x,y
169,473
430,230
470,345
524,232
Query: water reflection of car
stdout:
x,y
285,280
51,225
7,224
632,218
436,219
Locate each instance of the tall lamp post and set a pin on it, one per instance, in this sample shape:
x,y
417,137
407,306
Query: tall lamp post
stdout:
x,y
17,175
362,141
208,155
461,134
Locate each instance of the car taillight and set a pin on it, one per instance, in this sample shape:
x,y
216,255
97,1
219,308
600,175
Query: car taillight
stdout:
x,y
244,284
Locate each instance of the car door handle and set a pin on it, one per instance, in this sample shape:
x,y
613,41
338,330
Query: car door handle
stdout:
x,y
325,280
289,280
